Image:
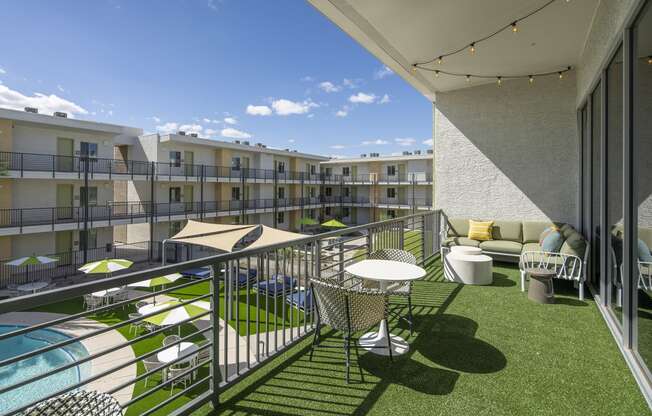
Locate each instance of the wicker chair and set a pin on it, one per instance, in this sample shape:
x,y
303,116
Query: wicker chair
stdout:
x,y
403,289
170,339
151,363
83,402
347,310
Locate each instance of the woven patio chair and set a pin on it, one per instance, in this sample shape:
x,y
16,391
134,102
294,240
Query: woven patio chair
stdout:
x,y
348,310
403,289
83,402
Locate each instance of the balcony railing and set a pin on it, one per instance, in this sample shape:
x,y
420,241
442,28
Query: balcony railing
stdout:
x,y
243,324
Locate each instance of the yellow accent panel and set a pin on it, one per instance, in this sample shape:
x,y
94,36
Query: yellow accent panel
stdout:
x,y
480,230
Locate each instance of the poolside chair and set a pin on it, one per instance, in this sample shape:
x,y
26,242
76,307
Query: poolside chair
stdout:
x,y
92,302
301,299
137,325
276,286
151,365
241,277
175,371
170,339
347,310
403,289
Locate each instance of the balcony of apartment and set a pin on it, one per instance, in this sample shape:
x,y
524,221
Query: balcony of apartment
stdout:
x,y
469,347
359,179
421,178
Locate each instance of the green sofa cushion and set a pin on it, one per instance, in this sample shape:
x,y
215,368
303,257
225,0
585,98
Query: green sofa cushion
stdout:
x,y
502,246
508,230
458,227
575,244
460,241
532,230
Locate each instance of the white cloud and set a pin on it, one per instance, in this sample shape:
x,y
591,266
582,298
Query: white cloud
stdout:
x,y
230,120
156,119
350,83
191,128
405,141
383,72
285,107
307,78
212,4
2,71
428,142
206,120
259,110
47,104
169,127
60,88
385,99
291,140
337,146
329,87
210,132
235,134
311,115
376,142
342,113
362,98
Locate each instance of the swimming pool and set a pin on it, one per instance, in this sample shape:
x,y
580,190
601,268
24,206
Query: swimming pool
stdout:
x,y
37,365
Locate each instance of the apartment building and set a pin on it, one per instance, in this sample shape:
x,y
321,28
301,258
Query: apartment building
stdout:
x,y
375,187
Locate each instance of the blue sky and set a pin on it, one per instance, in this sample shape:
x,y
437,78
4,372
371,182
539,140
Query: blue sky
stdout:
x,y
277,72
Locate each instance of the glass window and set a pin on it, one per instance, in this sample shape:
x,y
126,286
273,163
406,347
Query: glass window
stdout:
x,y
614,176
312,192
391,192
175,159
642,126
88,149
281,193
88,194
391,213
347,191
280,217
92,238
235,193
235,163
346,171
329,191
346,212
313,169
175,194
281,167
327,211
391,170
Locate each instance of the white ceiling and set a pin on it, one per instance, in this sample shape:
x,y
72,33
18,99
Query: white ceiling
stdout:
x,y
401,33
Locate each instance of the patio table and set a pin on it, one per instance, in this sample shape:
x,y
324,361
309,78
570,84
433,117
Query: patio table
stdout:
x,y
106,293
32,287
384,272
186,350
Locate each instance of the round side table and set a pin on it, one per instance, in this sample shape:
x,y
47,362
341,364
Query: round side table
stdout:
x,y
541,288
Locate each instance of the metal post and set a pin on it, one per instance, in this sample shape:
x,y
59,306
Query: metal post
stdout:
x,y
85,202
151,213
202,179
215,339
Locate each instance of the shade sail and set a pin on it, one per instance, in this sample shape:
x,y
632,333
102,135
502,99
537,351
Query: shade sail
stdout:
x,y
271,235
218,236
334,224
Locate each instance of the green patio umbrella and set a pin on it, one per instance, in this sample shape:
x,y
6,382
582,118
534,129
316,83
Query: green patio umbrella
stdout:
x,y
308,221
32,260
158,281
106,266
176,315
334,224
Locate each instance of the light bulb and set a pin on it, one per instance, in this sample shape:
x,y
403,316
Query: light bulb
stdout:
x,y
514,27
439,60
468,78
414,68
649,59
561,75
500,81
472,49
531,78
436,74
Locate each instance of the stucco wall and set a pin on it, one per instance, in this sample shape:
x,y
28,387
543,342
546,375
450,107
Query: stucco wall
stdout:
x,y
607,23
508,152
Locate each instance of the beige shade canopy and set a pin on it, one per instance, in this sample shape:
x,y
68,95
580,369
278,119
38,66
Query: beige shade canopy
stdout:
x,y
225,236
219,236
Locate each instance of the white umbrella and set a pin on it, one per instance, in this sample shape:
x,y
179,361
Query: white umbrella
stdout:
x,y
178,314
31,261
158,281
105,266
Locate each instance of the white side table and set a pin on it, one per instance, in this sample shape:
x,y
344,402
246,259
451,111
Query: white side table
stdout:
x,y
466,250
470,269
384,272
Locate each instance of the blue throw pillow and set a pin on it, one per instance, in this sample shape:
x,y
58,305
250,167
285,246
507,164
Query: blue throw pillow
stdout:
x,y
644,251
552,242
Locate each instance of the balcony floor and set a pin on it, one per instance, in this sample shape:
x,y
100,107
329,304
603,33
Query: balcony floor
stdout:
x,y
475,350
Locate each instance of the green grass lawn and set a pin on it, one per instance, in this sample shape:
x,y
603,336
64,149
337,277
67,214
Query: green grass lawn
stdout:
x,y
476,350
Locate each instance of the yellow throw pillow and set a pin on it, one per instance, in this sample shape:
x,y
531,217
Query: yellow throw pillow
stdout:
x,y
480,230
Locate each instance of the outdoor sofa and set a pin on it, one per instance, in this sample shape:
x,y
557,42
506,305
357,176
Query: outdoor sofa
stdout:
x,y
518,241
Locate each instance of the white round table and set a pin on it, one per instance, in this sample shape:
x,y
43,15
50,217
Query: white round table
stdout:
x,y
105,293
384,272
32,287
184,349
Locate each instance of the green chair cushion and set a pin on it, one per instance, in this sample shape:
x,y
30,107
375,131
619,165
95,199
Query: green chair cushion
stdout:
x,y
575,244
460,241
458,227
502,246
508,230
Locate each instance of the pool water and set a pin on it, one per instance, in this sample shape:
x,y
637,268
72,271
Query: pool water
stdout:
x,y
37,365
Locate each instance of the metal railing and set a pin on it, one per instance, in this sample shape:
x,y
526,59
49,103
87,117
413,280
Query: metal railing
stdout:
x,y
253,305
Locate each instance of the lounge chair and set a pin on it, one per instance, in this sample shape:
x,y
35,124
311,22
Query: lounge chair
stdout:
x,y
276,286
301,299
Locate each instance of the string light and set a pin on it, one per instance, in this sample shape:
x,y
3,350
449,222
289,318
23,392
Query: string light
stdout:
x,y
509,26
500,81
468,78
414,68
436,74
561,74
531,79
649,59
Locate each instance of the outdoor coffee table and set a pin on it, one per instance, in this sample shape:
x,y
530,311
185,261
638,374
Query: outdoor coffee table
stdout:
x,y
384,272
185,350
32,287
466,250
541,289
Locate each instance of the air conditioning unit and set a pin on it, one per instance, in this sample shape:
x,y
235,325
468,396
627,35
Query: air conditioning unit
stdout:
x,y
181,133
429,151
60,114
246,143
236,141
259,145
193,135
417,152
287,150
363,155
31,110
295,151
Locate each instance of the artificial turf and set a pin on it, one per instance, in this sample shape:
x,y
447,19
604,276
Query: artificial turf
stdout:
x,y
476,350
